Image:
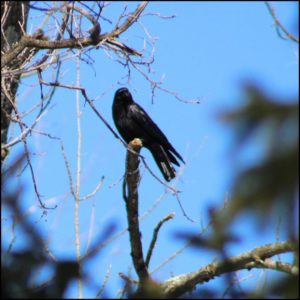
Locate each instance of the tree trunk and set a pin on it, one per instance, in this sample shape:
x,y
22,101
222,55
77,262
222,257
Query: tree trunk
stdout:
x,y
14,16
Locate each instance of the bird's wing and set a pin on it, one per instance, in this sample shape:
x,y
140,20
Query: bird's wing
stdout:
x,y
143,120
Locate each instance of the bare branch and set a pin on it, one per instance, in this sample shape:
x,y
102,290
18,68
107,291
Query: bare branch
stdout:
x,y
155,234
67,167
78,182
274,265
278,23
94,192
132,178
173,190
159,15
11,101
24,133
130,20
181,284
103,285
41,42
157,85
128,279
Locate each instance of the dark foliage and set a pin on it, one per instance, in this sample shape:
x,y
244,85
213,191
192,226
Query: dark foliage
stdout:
x,y
18,268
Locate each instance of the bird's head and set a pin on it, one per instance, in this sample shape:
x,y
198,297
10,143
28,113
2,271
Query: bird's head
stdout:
x,y
124,95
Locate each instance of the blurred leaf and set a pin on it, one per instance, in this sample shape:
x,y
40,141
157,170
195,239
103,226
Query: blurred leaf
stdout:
x,y
280,117
272,182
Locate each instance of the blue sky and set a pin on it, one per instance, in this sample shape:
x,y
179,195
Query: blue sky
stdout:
x,y
207,51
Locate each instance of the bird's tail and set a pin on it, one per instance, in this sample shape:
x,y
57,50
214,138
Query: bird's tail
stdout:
x,y
163,161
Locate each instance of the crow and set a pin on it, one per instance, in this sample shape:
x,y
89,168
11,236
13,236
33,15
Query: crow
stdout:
x,y
132,122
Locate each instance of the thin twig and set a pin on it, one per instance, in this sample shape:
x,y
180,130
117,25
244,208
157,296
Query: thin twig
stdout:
x,y
78,179
183,211
91,229
24,133
94,192
157,84
158,179
127,279
278,23
84,94
103,285
155,234
181,249
9,98
130,19
67,167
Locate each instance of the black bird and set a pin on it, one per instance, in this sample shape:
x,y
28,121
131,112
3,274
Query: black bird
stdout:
x,y
133,122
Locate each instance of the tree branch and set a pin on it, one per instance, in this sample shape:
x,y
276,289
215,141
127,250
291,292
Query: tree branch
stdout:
x,y
43,43
179,285
274,265
130,20
278,23
132,177
155,235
